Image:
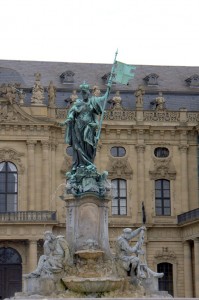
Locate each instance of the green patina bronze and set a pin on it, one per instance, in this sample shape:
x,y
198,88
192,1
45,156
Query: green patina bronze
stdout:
x,y
83,129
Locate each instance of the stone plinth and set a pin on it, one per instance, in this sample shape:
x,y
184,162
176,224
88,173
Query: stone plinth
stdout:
x,y
40,286
87,223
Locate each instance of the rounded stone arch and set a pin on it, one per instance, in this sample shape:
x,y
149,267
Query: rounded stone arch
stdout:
x,y
11,272
9,255
13,156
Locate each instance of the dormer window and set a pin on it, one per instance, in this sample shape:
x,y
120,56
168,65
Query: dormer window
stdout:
x,y
151,79
106,76
193,81
67,77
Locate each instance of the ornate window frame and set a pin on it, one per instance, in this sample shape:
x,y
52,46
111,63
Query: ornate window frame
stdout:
x,y
13,156
167,256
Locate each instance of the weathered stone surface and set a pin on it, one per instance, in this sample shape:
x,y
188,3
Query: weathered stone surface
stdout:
x,y
41,286
93,285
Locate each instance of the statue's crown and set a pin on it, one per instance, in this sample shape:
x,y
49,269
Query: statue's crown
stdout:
x,y
84,86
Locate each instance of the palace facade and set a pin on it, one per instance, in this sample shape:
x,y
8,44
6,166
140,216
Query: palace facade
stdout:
x,y
149,146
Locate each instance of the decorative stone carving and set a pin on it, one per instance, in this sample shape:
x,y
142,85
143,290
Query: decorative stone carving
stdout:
x,y
162,168
140,148
139,93
56,257
11,155
159,102
96,91
193,117
161,116
151,79
21,96
61,113
132,260
37,91
117,101
8,92
119,166
165,255
67,77
73,97
183,148
120,115
51,95
193,81
7,113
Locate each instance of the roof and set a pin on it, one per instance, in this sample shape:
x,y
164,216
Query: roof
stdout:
x,y
171,80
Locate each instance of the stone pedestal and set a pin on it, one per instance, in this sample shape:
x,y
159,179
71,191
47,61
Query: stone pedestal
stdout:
x,y
40,286
87,222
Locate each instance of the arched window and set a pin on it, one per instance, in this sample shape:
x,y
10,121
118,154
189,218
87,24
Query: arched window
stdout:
x,y
162,197
10,271
119,206
166,282
8,187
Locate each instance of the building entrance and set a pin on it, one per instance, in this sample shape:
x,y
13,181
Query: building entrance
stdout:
x,y
10,272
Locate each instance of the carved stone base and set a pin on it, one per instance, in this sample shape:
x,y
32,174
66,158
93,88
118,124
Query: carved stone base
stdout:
x,y
42,286
87,223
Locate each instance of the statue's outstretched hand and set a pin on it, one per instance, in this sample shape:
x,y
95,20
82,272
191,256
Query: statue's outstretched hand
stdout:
x,y
143,228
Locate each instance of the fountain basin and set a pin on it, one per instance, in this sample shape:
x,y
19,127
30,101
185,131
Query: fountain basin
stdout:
x,y
89,254
93,285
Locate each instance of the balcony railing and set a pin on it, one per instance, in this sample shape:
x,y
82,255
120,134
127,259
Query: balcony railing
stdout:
x,y
28,216
189,216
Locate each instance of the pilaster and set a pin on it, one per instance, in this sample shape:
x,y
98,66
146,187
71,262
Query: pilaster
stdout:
x,y
140,176
184,177
31,174
196,260
45,175
188,277
32,255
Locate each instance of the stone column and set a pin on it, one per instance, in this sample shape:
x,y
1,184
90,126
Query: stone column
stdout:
x,y
32,255
31,174
188,278
140,178
46,178
196,260
184,178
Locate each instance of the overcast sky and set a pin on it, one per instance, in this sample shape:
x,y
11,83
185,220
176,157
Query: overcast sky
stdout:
x,y
152,32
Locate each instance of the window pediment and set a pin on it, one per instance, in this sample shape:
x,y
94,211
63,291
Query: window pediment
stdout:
x,y
193,81
151,79
67,77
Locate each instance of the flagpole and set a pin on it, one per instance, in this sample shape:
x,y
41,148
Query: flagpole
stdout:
x,y
110,80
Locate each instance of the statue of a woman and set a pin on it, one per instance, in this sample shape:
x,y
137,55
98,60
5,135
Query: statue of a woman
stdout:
x,y
82,125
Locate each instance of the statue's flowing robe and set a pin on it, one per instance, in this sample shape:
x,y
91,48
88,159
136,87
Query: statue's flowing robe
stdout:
x,y
81,131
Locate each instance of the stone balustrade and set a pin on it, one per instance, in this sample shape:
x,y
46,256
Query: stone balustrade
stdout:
x,y
28,216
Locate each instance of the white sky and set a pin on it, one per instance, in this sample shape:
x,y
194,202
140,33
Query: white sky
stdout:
x,y
152,32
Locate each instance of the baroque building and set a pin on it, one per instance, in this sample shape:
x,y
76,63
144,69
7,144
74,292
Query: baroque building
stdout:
x,y
149,146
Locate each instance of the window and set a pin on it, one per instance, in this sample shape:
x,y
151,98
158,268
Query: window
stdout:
x,y
166,282
118,151
162,197
161,152
151,79
119,197
8,187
